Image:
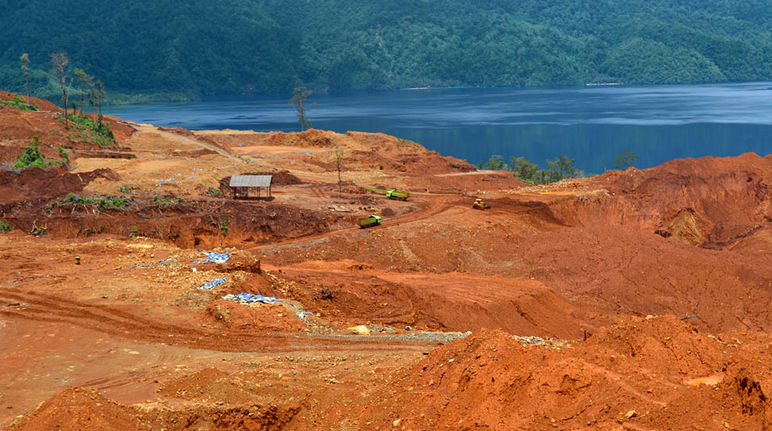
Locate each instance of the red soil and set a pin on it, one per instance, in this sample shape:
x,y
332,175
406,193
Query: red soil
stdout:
x,y
582,261
635,375
42,104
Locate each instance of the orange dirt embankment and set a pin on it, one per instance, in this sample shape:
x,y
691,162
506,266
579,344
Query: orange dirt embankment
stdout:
x,y
690,238
361,151
19,127
42,104
711,202
35,184
351,294
641,374
601,248
653,373
204,223
79,408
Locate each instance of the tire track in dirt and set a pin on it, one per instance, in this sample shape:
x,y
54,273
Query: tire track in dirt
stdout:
x,y
433,206
26,305
185,140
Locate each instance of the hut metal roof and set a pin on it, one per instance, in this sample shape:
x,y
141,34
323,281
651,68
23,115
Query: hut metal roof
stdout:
x,y
251,180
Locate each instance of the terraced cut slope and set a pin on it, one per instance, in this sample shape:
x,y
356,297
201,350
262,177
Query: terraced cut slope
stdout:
x,y
637,299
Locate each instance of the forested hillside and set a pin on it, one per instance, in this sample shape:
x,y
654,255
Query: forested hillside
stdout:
x,y
199,48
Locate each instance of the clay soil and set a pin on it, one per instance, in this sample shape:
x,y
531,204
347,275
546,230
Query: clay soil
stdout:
x,y
637,299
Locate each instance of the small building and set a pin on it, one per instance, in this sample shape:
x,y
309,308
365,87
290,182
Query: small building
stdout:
x,y
251,186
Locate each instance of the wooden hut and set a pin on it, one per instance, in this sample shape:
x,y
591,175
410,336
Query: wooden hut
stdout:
x,y
251,186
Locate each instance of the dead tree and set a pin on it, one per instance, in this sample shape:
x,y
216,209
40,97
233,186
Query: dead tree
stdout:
x,y
25,68
61,62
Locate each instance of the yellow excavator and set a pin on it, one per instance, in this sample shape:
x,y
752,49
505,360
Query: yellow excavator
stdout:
x,y
480,204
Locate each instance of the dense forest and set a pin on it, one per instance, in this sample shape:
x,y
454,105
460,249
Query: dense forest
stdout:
x,y
205,48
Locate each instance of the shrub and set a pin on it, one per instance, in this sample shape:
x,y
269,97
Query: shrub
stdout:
x,y
524,170
18,102
113,202
495,162
164,202
101,202
5,227
214,192
92,131
65,155
31,157
401,142
625,159
224,226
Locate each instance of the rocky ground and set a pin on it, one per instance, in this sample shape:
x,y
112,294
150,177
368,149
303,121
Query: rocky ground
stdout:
x,y
637,299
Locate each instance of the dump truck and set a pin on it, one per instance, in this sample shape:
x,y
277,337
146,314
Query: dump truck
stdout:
x,y
396,194
480,204
372,220
392,193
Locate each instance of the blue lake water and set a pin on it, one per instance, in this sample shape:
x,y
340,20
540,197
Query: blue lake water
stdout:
x,y
591,125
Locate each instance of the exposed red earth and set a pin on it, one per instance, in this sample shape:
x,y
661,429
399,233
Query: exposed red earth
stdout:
x,y
637,299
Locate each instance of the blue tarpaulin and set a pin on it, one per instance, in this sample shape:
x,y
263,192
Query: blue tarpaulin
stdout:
x,y
248,298
212,284
215,257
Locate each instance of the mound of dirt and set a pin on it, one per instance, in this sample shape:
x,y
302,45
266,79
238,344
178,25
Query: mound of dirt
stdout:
x,y
362,151
710,202
42,104
19,127
451,302
79,409
36,183
664,345
258,317
491,380
209,384
217,407
208,417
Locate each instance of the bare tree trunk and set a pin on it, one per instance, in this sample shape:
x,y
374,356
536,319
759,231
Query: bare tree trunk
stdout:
x,y
25,67
339,162
60,63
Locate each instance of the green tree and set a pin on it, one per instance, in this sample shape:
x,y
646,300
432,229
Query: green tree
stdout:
x,y
495,162
524,169
561,168
25,68
83,80
625,159
61,63
31,157
99,95
299,98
